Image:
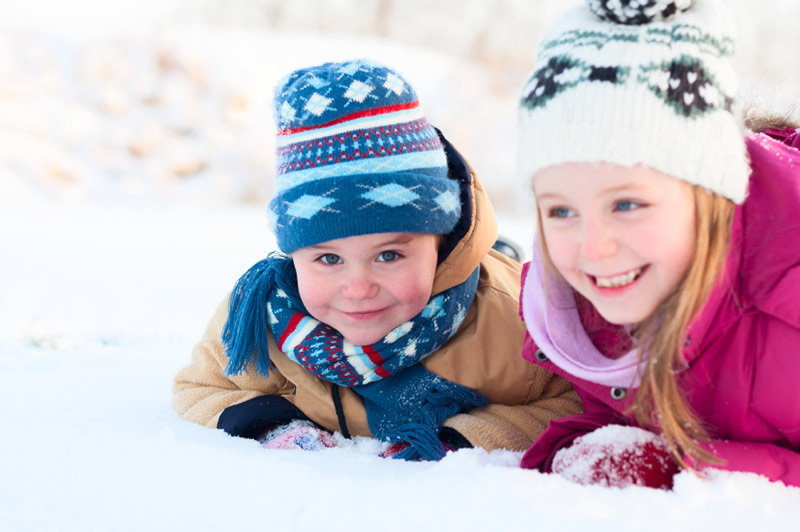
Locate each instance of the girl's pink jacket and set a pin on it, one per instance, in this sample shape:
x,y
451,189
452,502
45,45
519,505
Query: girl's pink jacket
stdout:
x,y
742,375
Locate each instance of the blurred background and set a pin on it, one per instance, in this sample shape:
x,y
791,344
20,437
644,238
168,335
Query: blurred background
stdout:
x,y
164,102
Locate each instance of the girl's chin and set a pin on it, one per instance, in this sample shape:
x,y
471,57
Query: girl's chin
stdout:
x,y
620,314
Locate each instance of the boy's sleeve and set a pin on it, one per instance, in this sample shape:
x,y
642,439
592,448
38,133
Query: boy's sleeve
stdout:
x,y
201,390
560,433
515,427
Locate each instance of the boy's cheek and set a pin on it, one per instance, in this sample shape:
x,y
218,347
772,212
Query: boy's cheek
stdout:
x,y
311,288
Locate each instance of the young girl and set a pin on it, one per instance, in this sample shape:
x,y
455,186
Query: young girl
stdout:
x,y
665,283
391,316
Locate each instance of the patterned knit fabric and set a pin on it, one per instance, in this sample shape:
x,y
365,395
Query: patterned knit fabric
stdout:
x,y
648,82
403,400
323,351
356,155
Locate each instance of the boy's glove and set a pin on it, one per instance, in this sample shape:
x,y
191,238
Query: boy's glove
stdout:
x,y
617,456
298,435
450,438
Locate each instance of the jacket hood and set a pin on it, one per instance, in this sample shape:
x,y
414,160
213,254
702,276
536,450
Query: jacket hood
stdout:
x,y
475,232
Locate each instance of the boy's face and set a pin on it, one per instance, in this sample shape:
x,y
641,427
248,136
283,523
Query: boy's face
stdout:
x,y
365,286
622,236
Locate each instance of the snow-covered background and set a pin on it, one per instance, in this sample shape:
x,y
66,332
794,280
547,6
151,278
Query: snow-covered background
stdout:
x,y
135,164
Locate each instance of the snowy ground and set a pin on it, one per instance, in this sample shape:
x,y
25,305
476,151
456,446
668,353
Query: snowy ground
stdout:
x,y
100,308
128,206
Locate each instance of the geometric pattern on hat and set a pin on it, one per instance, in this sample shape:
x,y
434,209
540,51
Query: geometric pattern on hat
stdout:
x,y
666,35
374,203
686,86
563,72
356,155
683,83
391,195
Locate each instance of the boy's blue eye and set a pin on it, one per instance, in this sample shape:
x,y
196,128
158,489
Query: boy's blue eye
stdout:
x,y
560,212
330,258
388,256
626,205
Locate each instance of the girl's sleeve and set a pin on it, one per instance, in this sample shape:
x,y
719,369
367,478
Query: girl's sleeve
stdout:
x,y
201,390
772,461
514,427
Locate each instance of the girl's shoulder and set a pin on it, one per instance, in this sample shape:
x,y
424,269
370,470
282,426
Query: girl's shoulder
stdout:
x,y
769,227
774,159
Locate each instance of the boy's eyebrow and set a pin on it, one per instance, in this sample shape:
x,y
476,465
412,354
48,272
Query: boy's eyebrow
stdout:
x,y
399,239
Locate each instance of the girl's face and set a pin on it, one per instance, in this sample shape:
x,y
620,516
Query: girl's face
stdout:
x,y
622,236
365,286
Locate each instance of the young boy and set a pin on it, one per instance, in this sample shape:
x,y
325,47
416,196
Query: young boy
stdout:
x,y
390,315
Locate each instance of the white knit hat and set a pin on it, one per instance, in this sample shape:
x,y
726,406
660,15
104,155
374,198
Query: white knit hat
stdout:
x,y
638,82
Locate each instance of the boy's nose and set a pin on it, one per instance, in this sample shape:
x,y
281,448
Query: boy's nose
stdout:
x,y
359,286
598,242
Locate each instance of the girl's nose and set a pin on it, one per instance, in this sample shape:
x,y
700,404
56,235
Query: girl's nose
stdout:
x,y
359,286
598,241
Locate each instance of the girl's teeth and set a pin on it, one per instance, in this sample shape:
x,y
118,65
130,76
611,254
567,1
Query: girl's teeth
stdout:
x,y
619,280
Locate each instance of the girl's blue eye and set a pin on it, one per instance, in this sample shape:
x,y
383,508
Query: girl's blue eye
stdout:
x,y
560,212
388,256
330,258
626,205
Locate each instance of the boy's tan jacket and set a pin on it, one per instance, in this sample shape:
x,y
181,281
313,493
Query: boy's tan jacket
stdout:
x,y
485,355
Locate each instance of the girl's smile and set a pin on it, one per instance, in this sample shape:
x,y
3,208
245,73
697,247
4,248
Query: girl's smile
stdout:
x,y
623,237
618,280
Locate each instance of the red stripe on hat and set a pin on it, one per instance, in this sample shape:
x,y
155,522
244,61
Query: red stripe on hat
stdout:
x,y
295,319
354,116
380,371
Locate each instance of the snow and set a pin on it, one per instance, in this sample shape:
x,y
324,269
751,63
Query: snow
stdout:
x,y
134,172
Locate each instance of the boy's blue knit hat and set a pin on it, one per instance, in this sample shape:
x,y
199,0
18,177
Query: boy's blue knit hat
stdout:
x,y
355,156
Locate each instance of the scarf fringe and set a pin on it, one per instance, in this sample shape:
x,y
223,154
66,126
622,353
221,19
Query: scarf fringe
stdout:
x,y
245,335
422,433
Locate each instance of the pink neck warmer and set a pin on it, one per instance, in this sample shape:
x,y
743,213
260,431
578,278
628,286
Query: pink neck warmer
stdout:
x,y
554,324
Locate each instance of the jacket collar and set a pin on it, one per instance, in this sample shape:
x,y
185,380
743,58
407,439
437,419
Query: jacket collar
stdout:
x,y
475,232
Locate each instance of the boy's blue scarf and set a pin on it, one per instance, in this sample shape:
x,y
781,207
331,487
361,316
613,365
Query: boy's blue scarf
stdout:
x,y
403,400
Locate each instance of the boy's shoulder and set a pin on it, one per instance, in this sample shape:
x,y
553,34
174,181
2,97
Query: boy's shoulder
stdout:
x,y
500,272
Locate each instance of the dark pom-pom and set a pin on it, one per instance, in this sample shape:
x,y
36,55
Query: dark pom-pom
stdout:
x,y
635,12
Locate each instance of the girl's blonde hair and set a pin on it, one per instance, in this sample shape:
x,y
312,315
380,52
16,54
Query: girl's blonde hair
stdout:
x,y
660,403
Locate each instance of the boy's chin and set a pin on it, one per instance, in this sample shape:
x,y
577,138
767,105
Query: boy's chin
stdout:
x,y
364,339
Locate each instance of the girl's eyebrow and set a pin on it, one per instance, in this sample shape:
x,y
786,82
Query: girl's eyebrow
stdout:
x,y
614,189
549,196
623,188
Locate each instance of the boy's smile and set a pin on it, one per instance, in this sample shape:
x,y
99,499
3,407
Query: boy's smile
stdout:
x,y
622,236
365,286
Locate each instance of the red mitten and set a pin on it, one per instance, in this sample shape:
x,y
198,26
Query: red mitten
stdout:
x,y
617,456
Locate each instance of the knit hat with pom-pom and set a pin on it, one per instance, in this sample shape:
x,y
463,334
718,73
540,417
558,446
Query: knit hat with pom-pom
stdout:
x,y
638,82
